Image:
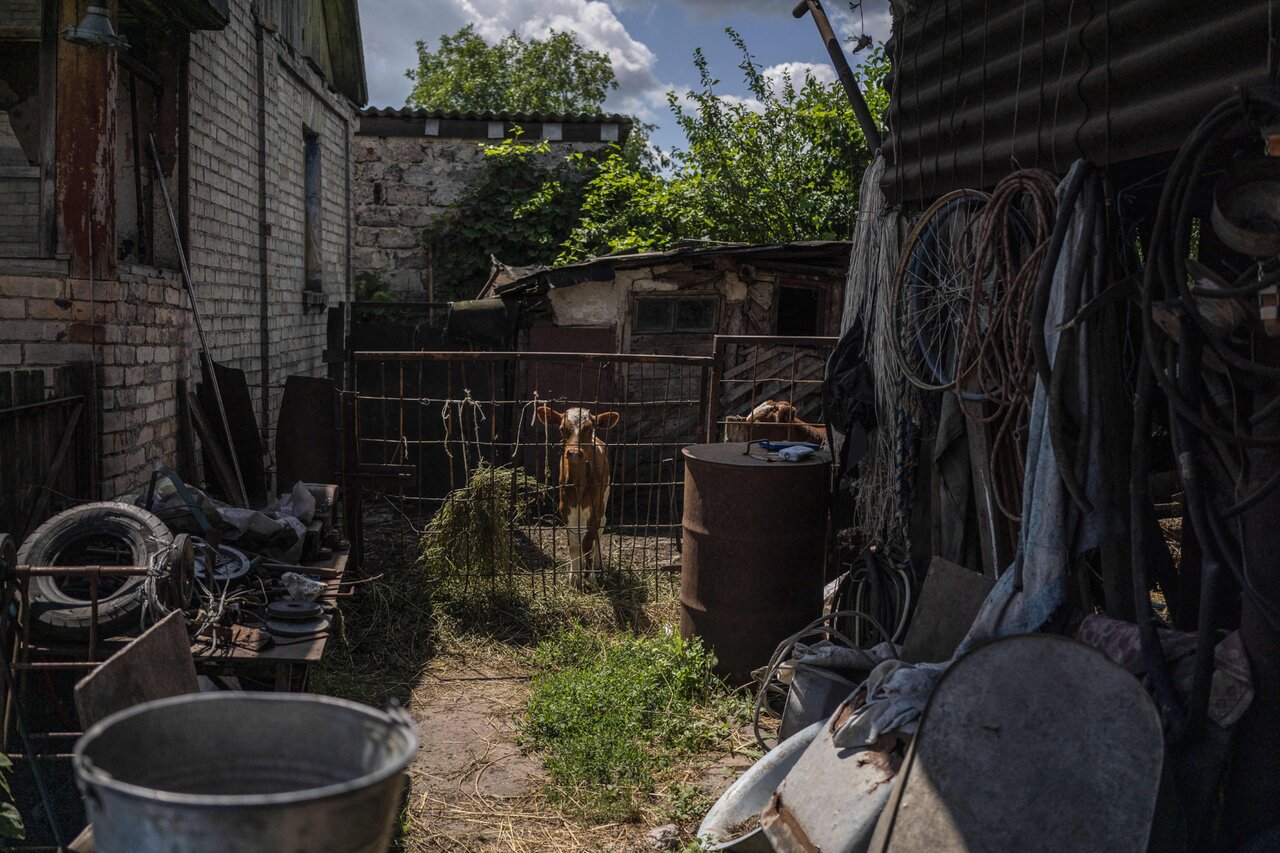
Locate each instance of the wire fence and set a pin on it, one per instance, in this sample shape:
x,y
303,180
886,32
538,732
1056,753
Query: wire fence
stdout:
x,y
483,472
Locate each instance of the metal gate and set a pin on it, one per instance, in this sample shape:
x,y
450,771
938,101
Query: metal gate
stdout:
x,y
451,441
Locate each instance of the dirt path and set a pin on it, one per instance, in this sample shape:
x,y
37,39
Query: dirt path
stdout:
x,y
476,789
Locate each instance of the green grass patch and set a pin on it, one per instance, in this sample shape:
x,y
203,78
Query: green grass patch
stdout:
x,y
610,714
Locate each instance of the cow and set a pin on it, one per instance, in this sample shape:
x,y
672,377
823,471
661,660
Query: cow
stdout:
x,y
584,484
774,412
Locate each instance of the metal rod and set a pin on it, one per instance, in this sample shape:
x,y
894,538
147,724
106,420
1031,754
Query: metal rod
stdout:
x,y
195,313
28,749
860,108
646,358
22,569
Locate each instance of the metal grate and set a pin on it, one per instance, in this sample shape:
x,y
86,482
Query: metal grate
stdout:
x,y
752,369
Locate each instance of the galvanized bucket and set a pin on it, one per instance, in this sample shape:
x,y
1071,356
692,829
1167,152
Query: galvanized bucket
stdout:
x,y
246,772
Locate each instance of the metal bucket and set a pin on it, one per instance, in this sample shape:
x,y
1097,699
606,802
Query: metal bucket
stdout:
x,y
753,553
246,772
729,824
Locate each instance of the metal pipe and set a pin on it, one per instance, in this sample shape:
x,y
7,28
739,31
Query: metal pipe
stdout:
x,y
606,357
869,128
195,313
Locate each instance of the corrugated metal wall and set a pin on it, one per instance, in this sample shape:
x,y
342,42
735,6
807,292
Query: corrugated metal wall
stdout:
x,y
982,87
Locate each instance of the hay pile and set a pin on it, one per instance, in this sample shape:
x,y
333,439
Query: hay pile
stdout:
x,y
470,535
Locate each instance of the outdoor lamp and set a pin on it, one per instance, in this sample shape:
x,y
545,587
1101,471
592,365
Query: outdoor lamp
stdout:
x,y
95,30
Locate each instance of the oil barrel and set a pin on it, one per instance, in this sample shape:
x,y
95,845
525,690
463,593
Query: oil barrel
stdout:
x,y
752,567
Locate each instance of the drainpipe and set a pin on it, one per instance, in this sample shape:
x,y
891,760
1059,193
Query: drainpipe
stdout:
x,y
264,233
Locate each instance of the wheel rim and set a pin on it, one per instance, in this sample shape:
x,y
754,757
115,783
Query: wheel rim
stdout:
x,y
935,289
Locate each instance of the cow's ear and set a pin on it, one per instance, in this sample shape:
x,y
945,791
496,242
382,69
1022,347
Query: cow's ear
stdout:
x,y
605,420
547,415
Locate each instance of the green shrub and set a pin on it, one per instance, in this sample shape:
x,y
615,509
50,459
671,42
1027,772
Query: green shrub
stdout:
x,y
610,712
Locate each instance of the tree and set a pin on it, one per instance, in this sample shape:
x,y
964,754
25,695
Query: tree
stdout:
x,y
785,165
551,75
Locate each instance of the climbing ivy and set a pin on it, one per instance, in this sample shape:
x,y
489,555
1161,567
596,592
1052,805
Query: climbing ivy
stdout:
x,y
493,217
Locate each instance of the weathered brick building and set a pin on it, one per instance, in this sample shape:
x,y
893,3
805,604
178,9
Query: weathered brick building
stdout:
x,y
411,164
252,108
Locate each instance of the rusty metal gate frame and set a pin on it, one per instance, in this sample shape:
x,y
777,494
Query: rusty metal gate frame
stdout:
x,y
402,397
795,385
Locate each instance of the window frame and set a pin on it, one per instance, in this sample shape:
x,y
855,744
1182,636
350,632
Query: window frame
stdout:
x,y
672,327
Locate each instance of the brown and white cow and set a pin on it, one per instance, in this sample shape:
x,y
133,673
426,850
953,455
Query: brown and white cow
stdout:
x,y
775,412
584,484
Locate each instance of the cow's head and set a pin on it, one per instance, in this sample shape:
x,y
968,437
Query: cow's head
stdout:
x,y
577,427
773,412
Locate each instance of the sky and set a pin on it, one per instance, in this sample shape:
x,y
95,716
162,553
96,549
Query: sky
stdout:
x,y
651,42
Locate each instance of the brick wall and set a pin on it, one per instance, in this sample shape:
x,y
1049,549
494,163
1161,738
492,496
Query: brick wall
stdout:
x,y
403,183
137,328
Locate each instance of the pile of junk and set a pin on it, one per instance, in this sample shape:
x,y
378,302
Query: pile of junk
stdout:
x,y
1054,614
103,571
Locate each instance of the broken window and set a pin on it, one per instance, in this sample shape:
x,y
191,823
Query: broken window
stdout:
x,y
312,262
26,135
683,314
148,94
799,311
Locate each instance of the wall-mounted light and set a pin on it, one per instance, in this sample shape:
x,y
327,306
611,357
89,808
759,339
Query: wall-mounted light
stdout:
x,y
95,30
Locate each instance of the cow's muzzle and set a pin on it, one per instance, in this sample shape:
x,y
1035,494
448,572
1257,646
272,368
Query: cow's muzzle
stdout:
x,y
574,452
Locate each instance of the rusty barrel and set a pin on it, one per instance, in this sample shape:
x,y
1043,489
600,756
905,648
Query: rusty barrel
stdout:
x,y
753,556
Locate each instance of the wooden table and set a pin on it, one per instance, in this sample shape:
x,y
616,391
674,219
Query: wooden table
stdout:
x,y
300,652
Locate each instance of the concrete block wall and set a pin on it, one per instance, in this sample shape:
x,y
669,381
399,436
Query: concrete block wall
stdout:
x,y
403,183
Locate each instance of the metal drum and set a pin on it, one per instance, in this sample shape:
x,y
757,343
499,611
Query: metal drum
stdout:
x,y
244,771
753,555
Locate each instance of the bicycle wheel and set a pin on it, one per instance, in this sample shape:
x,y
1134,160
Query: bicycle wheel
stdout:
x,y
934,288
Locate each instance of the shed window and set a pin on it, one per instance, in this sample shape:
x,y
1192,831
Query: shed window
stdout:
x,y
689,314
799,311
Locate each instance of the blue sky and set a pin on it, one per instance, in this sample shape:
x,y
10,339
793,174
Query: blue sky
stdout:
x,y
651,42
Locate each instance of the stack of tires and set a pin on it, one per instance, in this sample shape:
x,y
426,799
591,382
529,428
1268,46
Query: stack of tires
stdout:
x,y
106,533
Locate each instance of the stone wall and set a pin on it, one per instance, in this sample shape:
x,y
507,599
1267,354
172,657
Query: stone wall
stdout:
x,y
136,327
405,182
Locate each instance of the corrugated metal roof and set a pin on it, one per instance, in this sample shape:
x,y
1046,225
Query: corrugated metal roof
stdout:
x,y
455,115
980,88
833,253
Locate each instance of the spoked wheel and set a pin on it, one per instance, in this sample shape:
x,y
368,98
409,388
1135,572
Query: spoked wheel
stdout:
x,y
934,287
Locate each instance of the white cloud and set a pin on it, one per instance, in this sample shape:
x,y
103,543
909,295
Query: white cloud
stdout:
x,y
639,92
823,73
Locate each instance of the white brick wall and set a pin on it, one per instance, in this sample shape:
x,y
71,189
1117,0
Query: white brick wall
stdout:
x,y
138,328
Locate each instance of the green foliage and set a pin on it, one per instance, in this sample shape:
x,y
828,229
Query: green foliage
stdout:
x,y
374,287
471,532
552,75
489,219
785,165
610,712
10,820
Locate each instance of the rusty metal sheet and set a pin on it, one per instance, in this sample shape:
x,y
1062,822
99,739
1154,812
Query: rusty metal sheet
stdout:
x,y
832,798
979,89
156,665
949,602
1034,742
306,432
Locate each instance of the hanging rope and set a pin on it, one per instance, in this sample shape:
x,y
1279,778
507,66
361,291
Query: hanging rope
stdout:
x,y
995,346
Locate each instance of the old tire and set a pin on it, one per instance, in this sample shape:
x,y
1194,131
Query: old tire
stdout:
x,y
60,607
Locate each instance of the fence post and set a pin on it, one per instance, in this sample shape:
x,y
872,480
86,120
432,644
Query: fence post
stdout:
x,y
352,492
